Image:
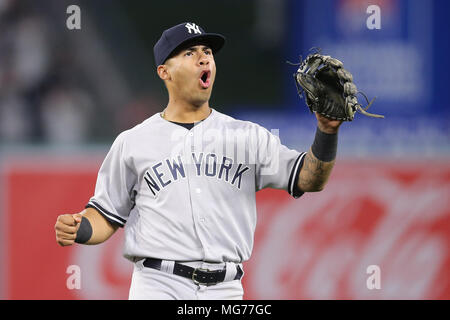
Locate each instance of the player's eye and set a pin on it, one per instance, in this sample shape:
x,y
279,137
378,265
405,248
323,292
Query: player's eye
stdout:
x,y
208,52
189,53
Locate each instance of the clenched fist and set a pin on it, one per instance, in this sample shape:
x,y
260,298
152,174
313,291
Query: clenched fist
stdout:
x,y
66,228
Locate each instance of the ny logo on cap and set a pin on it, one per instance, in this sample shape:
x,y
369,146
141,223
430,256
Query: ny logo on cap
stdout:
x,y
192,27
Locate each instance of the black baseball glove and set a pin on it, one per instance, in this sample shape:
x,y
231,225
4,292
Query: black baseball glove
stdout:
x,y
329,89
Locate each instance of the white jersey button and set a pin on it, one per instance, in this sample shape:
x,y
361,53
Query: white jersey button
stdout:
x,y
191,134
198,190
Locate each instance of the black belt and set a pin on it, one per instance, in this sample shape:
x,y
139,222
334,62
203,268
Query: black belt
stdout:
x,y
198,275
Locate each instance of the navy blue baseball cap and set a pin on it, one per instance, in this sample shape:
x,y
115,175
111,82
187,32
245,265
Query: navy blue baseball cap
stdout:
x,y
176,37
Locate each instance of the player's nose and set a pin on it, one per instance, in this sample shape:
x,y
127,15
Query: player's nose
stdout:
x,y
204,60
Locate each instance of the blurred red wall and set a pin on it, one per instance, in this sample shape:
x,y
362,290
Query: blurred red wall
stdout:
x,y
395,215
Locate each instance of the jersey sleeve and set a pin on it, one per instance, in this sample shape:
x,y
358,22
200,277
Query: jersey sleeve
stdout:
x,y
277,166
114,195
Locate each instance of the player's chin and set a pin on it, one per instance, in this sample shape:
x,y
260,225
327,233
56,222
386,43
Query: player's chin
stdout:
x,y
201,98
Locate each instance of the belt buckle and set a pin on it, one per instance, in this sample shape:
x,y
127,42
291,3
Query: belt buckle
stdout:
x,y
194,274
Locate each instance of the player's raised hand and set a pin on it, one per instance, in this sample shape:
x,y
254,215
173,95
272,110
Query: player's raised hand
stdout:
x,y
66,228
327,125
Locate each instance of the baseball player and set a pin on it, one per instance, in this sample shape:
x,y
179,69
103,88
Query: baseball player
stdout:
x,y
182,183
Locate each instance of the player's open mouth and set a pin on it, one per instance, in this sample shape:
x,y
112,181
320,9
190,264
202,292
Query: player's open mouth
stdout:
x,y
205,79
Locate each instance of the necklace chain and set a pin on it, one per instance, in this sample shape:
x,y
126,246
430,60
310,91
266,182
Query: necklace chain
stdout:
x,y
163,114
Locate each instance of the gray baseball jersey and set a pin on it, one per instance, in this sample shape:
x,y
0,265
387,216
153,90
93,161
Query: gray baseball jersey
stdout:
x,y
189,195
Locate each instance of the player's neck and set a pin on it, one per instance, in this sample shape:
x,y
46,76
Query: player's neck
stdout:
x,y
183,112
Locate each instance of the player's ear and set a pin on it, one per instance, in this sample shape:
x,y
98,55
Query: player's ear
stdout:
x,y
163,72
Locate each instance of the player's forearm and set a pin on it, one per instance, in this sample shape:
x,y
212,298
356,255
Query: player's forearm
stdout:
x,y
320,159
102,230
314,173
